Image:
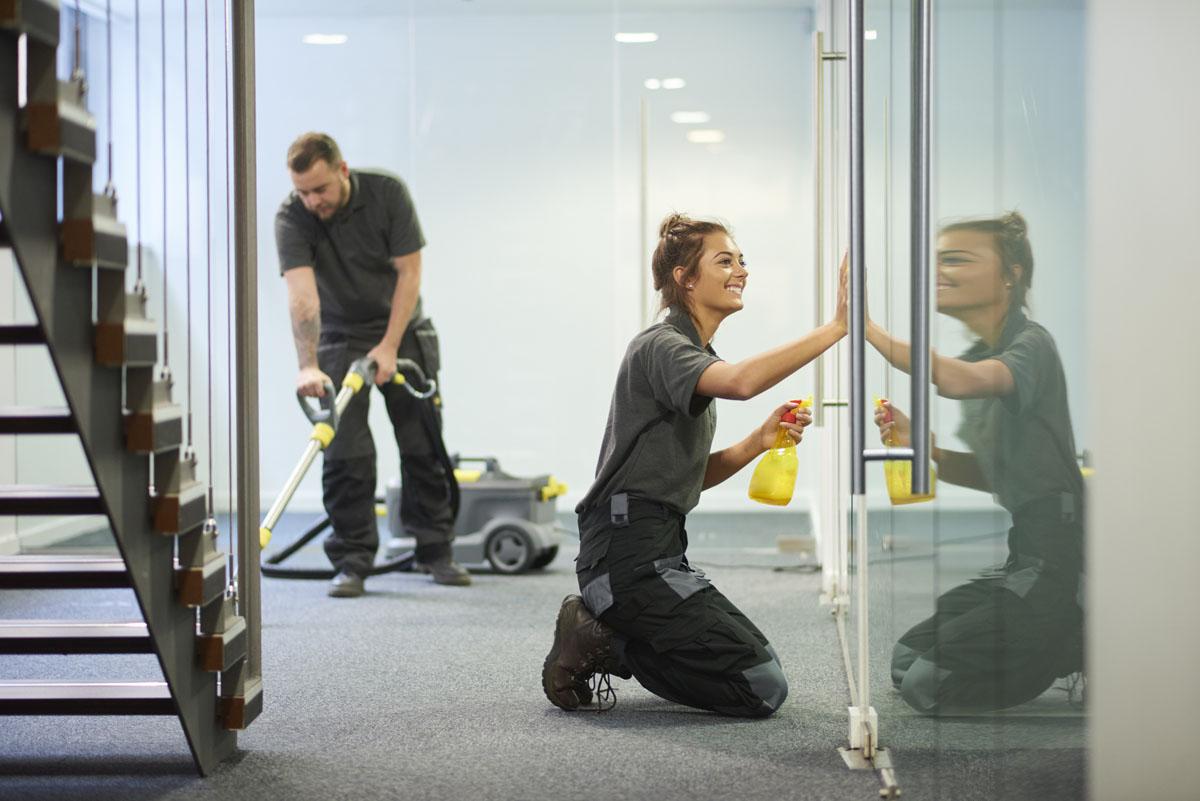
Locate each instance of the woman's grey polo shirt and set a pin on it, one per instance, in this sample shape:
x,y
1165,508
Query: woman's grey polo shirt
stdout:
x,y
1023,441
659,432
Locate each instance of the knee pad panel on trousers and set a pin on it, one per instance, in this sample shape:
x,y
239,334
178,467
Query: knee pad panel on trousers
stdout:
x,y
903,658
922,686
768,683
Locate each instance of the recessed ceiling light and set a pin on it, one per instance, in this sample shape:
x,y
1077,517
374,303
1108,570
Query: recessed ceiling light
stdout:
x,y
636,38
690,117
673,83
325,38
706,136
871,35
653,83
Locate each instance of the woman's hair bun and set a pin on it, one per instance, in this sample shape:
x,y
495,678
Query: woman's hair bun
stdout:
x,y
670,222
1014,224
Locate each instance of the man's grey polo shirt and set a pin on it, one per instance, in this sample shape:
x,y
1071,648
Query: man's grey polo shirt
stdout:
x,y
659,432
352,253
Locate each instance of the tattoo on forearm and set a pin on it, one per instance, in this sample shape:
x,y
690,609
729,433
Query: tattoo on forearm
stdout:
x,y
306,331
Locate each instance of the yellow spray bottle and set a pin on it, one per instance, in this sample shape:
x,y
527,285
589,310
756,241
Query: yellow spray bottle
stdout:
x,y
898,473
774,478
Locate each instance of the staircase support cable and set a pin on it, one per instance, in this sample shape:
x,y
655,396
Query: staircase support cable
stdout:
x,y
187,227
137,128
233,552
165,272
208,258
109,188
77,56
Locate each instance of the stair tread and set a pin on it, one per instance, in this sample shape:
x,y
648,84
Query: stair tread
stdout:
x,y
63,572
36,499
86,698
74,637
21,335
72,628
111,564
22,690
47,491
36,420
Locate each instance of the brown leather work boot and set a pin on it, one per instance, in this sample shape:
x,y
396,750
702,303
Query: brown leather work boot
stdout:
x,y
582,646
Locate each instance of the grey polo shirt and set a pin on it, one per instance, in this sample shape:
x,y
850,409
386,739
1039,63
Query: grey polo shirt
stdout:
x,y
1023,441
659,432
352,254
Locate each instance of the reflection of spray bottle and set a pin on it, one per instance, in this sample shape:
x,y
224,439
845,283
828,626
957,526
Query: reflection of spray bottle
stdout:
x,y
774,478
897,473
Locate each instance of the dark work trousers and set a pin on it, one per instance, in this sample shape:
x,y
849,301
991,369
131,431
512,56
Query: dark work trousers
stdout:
x,y
1002,639
349,476
675,633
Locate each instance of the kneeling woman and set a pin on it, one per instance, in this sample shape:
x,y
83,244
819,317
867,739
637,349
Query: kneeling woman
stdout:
x,y
1005,636
644,612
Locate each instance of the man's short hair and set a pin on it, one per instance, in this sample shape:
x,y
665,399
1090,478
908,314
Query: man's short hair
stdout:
x,y
312,147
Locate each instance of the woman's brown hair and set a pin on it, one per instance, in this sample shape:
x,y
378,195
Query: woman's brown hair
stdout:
x,y
1010,233
680,244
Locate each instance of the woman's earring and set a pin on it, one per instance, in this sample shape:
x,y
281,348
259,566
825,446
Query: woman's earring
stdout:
x,y
691,286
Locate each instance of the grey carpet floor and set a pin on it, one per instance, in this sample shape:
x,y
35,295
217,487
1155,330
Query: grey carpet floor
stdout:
x,y
423,692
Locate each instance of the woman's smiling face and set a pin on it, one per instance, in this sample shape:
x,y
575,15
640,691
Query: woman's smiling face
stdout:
x,y
969,272
720,278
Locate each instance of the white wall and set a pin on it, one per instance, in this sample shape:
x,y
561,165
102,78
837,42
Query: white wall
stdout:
x,y
1144,200
518,134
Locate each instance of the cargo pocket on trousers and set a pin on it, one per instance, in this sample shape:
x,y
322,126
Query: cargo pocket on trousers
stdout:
x,y
427,344
592,570
680,577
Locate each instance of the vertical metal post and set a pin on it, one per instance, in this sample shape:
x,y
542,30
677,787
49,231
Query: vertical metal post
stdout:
x,y
857,256
644,207
857,409
919,241
819,214
246,292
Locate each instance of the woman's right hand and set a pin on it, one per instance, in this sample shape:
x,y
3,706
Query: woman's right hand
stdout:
x,y
841,315
310,383
894,427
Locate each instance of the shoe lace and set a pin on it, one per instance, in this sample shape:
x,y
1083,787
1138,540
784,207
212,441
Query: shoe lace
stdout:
x,y
600,683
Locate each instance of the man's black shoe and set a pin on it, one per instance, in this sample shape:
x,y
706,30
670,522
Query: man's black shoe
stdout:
x,y
346,585
445,571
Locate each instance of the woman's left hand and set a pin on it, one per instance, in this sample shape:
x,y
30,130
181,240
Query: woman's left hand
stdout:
x,y
773,422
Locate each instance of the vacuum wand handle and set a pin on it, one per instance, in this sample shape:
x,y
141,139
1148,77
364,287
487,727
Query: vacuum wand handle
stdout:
x,y
327,411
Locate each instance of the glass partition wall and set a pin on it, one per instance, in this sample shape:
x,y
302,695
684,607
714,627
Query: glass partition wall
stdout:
x,y
543,147
973,637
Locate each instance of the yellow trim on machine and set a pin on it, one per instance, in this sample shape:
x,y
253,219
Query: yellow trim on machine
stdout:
x,y
553,489
322,433
264,538
354,381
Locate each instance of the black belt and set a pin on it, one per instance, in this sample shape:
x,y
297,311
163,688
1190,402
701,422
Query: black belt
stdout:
x,y
618,509
1064,506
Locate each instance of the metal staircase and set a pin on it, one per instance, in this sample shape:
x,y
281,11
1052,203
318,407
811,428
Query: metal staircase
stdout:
x,y
119,404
